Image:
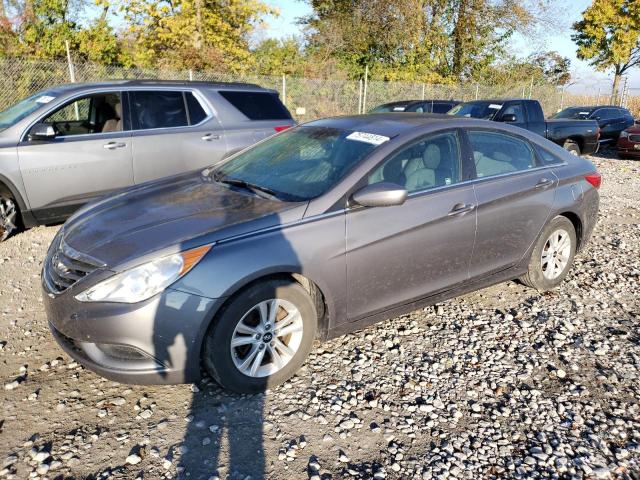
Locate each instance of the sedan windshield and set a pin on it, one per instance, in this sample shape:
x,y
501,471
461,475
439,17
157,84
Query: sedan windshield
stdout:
x,y
573,113
482,110
20,110
298,164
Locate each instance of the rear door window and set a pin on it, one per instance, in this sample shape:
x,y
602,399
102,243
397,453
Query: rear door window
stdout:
x,y
257,105
158,109
499,153
196,113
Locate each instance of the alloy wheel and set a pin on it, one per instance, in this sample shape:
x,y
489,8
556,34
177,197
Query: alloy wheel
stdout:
x,y
8,217
555,254
266,338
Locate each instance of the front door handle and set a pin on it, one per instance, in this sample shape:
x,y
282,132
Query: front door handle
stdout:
x,y
114,145
544,182
210,136
461,209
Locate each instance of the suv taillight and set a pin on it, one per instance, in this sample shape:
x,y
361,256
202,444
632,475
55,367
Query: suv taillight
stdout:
x,y
594,179
280,128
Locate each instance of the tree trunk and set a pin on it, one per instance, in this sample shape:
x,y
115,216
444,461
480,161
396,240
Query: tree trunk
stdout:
x,y
199,39
2,14
616,86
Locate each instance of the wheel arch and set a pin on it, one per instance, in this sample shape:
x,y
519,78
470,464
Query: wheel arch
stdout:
x,y
317,295
577,139
6,186
574,218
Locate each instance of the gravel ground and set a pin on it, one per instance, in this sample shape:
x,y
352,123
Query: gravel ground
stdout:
x,y
501,383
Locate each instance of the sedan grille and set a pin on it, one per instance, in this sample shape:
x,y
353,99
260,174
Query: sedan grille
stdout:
x,y
634,138
65,266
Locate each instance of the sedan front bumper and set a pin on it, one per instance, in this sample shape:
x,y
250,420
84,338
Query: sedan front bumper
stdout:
x,y
157,341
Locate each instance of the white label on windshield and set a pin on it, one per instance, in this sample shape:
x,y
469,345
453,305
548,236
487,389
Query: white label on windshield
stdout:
x,y
398,109
371,138
495,105
44,99
583,113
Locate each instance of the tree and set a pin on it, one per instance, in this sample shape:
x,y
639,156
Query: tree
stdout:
x,y
192,33
608,36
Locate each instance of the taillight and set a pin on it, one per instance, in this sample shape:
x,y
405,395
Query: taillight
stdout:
x,y
280,128
594,179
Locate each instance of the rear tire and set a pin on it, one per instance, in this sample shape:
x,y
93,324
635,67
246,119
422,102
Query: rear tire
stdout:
x,y
261,337
572,147
9,216
552,257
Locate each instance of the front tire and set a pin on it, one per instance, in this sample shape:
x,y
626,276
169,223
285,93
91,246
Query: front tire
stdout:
x,y
261,337
552,256
572,147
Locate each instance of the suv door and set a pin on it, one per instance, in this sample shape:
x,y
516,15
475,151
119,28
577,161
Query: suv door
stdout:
x,y
514,195
396,255
89,156
174,131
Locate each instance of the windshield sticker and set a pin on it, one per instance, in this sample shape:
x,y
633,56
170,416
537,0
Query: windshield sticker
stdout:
x,y
495,105
371,138
583,113
398,109
44,99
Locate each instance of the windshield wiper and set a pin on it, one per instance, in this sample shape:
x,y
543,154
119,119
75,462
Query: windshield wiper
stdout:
x,y
257,189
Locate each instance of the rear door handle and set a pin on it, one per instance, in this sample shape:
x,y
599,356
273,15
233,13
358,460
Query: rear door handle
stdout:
x,y
461,209
544,182
210,136
114,145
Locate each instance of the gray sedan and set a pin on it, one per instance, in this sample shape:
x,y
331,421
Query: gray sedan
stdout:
x,y
313,233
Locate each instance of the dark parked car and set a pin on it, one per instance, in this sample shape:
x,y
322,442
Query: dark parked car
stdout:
x,y
315,232
576,136
612,120
71,144
628,145
417,106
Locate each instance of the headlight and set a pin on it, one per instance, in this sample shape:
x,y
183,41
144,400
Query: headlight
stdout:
x,y
144,281
624,134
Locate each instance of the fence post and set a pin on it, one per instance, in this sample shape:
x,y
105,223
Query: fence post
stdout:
x,y
524,88
562,98
477,90
359,96
422,90
284,89
190,75
598,100
531,88
72,72
364,94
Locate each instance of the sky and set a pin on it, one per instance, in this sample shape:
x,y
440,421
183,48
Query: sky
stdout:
x,y
585,76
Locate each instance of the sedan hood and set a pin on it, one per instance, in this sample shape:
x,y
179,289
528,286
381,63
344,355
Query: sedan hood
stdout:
x,y
183,212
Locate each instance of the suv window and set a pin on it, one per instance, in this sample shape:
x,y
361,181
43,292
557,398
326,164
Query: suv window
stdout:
x,y
432,162
257,105
497,153
195,110
158,109
99,113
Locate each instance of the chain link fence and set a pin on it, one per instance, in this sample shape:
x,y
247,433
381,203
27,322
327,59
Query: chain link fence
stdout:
x,y
307,98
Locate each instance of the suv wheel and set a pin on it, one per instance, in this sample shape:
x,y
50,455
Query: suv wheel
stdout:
x,y
572,147
552,256
262,337
8,217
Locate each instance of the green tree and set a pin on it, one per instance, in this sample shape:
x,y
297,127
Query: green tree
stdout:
x,y
608,36
280,56
192,33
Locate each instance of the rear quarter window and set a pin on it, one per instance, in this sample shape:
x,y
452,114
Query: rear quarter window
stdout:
x,y
257,105
546,157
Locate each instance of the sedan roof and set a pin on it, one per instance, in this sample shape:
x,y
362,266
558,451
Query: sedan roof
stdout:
x,y
387,124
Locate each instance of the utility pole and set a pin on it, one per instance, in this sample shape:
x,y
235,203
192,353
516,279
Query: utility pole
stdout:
x,y
359,96
284,90
366,82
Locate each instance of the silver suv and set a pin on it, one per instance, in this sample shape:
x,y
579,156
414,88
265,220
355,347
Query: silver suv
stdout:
x,y
68,145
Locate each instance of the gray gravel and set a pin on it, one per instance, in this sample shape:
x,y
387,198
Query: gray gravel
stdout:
x,y
501,383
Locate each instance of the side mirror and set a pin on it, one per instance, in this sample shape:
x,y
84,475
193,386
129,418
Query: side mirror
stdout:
x,y
382,194
509,117
42,131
